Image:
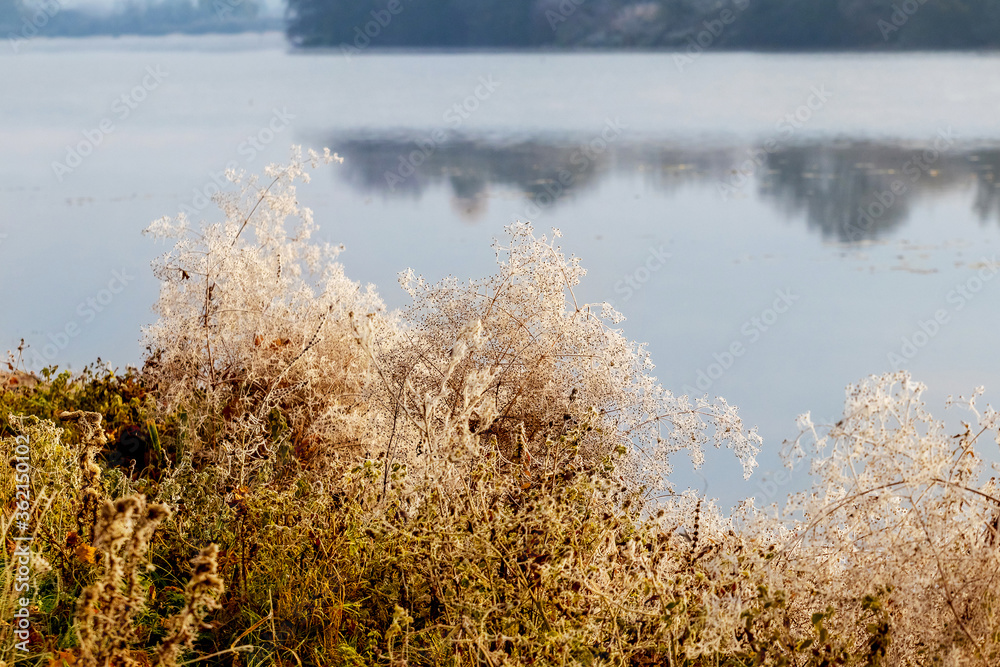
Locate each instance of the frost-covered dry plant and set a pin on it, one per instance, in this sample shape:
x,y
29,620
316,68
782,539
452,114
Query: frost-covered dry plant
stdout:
x,y
901,505
254,324
515,359
200,597
91,443
88,556
497,401
107,609
48,478
259,326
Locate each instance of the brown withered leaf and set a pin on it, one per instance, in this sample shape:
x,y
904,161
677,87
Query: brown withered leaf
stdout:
x,y
141,658
63,659
278,343
84,552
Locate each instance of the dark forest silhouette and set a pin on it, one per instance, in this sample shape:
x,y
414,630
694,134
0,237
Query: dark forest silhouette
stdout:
x,y
677,24
684,25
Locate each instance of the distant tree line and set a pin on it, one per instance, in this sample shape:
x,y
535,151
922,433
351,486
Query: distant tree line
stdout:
x,y
28,18
693,24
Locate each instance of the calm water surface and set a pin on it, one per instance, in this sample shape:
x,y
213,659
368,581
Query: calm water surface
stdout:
x,y
819,211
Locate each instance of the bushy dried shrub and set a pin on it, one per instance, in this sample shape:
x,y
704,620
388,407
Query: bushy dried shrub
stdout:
x,y
514,359
253,333
902,505
262,342
247,344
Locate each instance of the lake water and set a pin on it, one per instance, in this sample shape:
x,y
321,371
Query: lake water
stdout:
x,y
715,204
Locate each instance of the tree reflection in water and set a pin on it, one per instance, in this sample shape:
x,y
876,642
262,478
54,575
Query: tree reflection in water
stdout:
x,y
842,188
